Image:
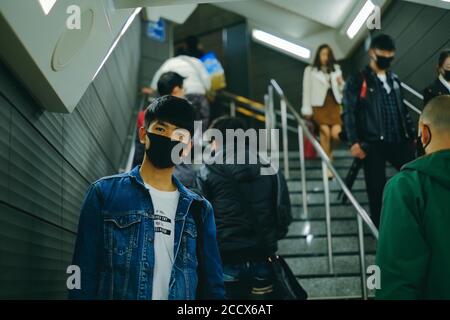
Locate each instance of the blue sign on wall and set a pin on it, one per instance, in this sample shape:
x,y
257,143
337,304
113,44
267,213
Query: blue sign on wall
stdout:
x,y
157,30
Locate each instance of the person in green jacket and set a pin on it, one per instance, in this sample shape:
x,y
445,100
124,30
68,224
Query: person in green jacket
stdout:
x,y
413,251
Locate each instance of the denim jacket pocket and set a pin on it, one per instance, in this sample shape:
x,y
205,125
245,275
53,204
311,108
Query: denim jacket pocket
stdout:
x,y
190,243
121,232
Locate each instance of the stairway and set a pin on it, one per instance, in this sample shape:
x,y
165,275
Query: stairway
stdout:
x,y
305,247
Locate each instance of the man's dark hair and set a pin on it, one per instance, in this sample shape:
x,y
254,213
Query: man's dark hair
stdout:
x,y
168,81
226,122
442,57
174,110
383,42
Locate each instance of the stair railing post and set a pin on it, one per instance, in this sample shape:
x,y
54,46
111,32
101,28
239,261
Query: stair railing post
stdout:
x,y
362,257
326,189
267,122
303,171
272,122
233,109
285,137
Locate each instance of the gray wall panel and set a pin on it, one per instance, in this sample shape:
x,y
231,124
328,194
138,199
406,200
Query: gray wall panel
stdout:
x,y
36,172
31,266
91,110
48,124
5,124
81,149
102,85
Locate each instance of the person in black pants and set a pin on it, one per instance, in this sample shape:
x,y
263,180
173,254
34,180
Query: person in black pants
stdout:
x,y
377,123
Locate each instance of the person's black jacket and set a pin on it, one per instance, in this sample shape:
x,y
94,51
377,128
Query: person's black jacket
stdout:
x,y
436,89
362,115
244,203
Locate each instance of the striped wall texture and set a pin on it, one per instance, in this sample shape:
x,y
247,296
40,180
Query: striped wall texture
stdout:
x,y
47,161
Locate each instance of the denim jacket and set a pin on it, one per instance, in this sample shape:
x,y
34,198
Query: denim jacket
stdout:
x,y
115,249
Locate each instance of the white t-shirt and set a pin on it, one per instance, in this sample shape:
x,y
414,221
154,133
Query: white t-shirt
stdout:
x,y
386,85
165,206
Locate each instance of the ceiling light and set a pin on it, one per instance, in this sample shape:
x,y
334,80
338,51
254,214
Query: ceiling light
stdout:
x,y
282,44
360,19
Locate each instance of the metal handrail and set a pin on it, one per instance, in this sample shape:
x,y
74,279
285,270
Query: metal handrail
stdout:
x,y
326,164
415,93
325,158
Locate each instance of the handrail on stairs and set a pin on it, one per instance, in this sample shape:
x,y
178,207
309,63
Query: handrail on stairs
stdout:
x,y
303,130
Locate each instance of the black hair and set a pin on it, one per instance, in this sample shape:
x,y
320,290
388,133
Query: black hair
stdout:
x,y
174,110
180,51
192,47
226,122
442,57
331,58
383,42
168,81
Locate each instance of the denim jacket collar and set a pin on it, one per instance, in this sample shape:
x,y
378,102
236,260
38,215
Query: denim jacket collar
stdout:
x,y
186,196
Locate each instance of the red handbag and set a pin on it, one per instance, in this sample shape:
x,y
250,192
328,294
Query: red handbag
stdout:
x,y
310,152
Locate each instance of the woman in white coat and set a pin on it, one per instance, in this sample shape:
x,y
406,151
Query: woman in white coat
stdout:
x,y
323,85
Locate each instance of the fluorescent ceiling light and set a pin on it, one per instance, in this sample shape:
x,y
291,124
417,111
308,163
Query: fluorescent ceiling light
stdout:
x,y
360,19
116,41
282,44
47,5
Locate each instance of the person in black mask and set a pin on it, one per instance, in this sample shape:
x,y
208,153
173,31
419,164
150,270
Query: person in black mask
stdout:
x,y
376,117
142,234
441,86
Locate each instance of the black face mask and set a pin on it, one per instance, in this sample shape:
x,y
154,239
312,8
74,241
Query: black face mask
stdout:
x,y
384,63
160,151
446,75
420,150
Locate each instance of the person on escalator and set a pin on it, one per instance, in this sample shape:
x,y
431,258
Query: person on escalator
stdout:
x,y
377,123
413,248
244,203
322,97
441,86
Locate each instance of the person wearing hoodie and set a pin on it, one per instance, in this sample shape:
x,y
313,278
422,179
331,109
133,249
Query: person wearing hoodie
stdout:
x,y
244,203
413,248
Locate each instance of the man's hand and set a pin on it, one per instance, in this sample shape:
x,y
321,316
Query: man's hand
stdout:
x,y
146,90
357,151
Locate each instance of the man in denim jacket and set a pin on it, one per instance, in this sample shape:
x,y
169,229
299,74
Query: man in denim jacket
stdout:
x,y
138,231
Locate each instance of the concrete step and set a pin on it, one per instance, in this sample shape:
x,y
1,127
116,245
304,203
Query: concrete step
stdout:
x,y
311,245
318,212
295,174
339,163
307,267
317,164
319,198
334,287
317,185
318,228
339,153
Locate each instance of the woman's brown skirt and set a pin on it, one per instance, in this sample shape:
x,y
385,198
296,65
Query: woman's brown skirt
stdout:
x,y
330,113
